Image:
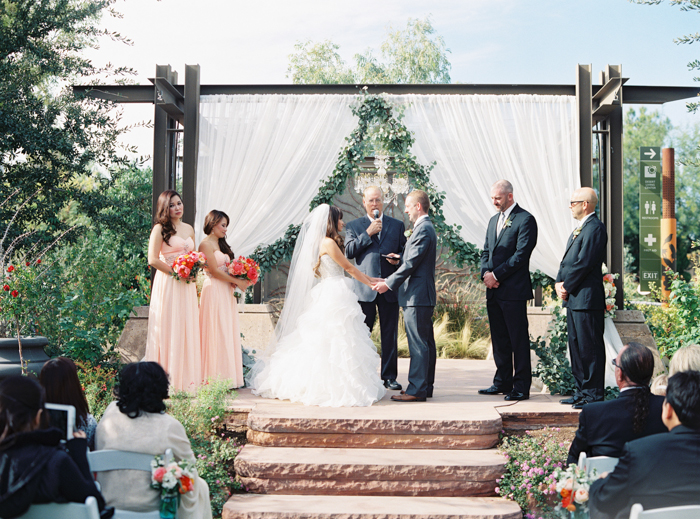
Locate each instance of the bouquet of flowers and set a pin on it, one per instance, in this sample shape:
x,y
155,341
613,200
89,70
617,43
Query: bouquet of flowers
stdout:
x,y
187,266
171,481
572,485
610,291
244,268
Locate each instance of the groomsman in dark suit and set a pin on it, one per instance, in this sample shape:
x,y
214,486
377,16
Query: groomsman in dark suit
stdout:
x,y
375,242
660,470
579,284
505,268
415,283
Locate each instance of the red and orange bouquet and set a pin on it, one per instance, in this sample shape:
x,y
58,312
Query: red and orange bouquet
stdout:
x,y
572,485
187,266
244,268
171,480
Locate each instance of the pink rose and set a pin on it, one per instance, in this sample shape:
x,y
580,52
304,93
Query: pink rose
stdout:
x,y
238,269
581,495
158,474
609,278
186,272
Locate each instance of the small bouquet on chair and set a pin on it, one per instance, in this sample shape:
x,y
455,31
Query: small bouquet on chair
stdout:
x,y
244,268
171,480
572,485
188,265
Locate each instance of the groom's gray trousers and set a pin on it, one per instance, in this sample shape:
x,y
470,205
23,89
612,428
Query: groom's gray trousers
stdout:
x,y
421,346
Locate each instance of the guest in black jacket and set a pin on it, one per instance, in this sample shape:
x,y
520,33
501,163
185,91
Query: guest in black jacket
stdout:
x,y
605,427
34,468
660,470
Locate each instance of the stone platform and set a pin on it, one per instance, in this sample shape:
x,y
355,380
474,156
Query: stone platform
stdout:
x,y
408,460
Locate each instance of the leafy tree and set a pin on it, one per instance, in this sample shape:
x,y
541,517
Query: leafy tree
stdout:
x,y
412,55
48,137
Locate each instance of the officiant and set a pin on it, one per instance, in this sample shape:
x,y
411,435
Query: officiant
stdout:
x,y
376,241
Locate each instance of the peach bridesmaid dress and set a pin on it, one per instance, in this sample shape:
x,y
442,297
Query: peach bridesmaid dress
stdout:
x,y
220,333
173,324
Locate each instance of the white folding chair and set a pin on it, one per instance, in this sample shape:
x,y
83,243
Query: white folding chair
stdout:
x,y
87,510
104,460
671,512
601,464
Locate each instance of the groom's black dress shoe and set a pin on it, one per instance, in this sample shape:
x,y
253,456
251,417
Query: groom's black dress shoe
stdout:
x,y
407,398
493,390
516,395
581,403
392,384
571,400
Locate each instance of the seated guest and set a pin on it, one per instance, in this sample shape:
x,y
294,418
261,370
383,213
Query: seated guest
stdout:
x,y
34,467
660,470
685,359
59,377
137,422
658,387
604,427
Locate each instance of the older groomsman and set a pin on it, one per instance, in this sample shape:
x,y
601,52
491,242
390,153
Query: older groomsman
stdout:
x,y
375,242
579,284
505,268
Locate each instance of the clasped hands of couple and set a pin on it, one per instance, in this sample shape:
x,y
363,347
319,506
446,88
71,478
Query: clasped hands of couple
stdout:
x,y
378,284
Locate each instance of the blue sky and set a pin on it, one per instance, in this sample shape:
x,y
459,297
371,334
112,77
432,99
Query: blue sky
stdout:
x,y
491,41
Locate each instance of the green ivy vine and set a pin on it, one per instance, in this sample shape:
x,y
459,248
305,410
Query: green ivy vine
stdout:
x,y
380,126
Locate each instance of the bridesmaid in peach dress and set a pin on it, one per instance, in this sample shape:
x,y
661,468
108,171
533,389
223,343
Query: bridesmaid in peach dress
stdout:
x,y
218,311
173,326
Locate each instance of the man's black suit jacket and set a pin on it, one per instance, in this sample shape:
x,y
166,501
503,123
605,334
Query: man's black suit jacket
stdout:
x,y
580,269
657,471
508,255
605,427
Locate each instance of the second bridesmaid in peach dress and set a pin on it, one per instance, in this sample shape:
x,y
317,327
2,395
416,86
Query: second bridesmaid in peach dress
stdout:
x,y
218,310
173,326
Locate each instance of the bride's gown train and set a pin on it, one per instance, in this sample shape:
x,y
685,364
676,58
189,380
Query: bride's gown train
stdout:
x,y
328,359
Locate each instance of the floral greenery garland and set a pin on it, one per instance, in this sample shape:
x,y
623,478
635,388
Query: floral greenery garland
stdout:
x,y
378,126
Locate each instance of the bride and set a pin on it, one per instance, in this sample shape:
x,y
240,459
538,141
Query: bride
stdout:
x,y
321,353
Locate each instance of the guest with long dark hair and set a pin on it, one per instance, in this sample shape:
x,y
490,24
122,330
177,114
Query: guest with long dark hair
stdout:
x,y
173,324
59,378
137,422
34,467
218,310
605,427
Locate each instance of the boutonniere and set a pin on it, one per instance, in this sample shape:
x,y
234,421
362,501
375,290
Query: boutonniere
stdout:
x,y
408,233
577,231
508,222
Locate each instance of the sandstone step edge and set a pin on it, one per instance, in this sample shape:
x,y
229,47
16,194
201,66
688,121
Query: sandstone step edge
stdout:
x,y
369,464
260,506
373,441
361,487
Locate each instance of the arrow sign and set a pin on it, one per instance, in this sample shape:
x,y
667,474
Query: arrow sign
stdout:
x,y
651,154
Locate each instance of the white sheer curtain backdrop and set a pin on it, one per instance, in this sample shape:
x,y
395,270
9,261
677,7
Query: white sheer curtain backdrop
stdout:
x,y
532,141
261,159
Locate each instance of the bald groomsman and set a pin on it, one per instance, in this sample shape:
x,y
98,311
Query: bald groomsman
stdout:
x,y
511,237
580,286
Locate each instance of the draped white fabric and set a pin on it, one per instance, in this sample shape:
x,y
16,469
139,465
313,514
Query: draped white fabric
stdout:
x,y
478,139
262,157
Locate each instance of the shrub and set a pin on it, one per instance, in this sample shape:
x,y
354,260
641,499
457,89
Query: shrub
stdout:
x,y
98,385
530,461
553,367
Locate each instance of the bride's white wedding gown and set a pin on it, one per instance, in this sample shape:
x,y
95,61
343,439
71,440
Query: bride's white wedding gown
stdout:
x,y
328,359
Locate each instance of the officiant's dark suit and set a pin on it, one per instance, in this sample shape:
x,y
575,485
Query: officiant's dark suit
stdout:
x,y
507,256
367,252
605,427
660,470
414,281
581,277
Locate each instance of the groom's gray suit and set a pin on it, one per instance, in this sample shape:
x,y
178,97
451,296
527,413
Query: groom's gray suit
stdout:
x,y
415,283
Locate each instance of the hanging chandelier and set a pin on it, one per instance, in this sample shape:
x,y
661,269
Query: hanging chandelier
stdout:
x,y
398,185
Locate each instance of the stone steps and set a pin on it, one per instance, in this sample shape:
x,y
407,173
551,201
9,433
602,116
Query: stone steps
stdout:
x,y
397,472
376,427
252,506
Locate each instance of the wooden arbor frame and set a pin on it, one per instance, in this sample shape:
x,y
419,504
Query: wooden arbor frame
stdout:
x,y
600,110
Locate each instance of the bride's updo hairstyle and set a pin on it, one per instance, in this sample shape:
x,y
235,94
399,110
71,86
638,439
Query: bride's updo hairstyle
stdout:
x,y
335,214
212,220
163,214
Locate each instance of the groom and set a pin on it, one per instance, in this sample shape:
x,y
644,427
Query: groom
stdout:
x,y
415,283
